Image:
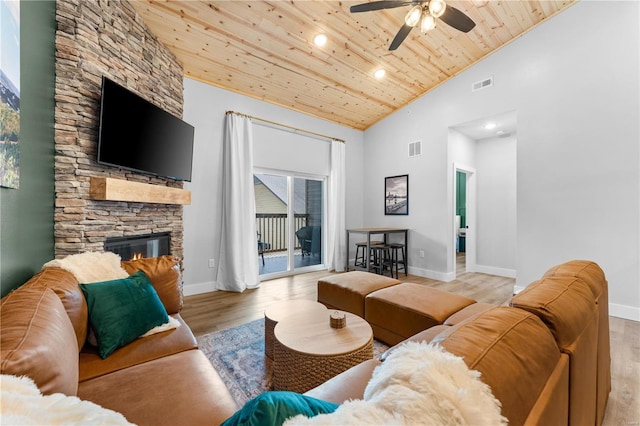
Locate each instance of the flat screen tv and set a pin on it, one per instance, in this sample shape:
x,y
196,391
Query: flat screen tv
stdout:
x,y
138,135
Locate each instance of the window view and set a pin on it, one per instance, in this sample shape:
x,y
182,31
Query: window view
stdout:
x,y
289,222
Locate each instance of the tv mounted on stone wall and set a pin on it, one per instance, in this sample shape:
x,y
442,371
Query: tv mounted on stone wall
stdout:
x,y
140,136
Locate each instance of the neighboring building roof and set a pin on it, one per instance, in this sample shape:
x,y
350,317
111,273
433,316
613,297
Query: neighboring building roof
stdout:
x,y
278,186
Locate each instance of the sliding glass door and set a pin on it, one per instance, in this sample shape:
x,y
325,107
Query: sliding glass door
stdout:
x,y
290,212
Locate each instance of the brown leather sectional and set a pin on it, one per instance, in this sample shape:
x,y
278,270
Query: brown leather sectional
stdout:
x,y
545,354
162,379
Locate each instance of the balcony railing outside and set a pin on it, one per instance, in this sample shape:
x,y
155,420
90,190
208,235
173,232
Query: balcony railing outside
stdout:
x,y
274,229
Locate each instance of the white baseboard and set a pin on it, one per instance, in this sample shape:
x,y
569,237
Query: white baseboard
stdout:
x,y
199,288
434,275
492,270
624,311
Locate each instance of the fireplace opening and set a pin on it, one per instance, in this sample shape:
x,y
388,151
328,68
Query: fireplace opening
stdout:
x,y
139,246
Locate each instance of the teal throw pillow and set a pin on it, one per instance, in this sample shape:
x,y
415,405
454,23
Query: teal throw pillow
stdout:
x,y
274,407
122,310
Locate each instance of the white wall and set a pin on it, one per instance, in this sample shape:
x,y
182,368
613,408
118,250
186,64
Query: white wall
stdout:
x,y
497,195
204,108
573,82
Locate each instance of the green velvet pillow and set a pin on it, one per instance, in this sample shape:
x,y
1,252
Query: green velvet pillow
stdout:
x,y
274,407
122,310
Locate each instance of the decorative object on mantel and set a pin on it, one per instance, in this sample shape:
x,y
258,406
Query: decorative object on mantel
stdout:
x,y
109,189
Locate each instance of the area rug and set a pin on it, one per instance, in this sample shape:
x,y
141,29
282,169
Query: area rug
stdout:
x,y
237,354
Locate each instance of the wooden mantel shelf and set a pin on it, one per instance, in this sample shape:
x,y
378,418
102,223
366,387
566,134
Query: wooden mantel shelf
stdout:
x,y
109,189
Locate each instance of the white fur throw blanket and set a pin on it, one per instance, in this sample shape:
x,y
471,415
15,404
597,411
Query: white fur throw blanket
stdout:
x,y
21,403
91,267
418,384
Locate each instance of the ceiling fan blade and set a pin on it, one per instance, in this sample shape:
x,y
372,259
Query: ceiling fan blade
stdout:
x,y
378,5
457,19
399,38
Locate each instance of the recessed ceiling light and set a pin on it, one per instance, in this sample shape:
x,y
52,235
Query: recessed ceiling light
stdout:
x,y
490,126
320,40
379,73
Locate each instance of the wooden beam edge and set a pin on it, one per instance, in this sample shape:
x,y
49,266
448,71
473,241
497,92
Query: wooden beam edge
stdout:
x,y
110,189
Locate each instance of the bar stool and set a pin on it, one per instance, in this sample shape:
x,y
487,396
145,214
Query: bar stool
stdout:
x,y
382,259
360,259
396,248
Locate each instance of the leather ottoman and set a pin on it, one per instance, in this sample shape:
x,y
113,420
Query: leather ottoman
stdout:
x,y
346,292
397,313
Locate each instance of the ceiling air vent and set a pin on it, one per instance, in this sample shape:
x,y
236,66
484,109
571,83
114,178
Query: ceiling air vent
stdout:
x,y
415,148
487,82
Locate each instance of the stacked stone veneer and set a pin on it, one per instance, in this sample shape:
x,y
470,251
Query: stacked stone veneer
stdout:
x,y
96,38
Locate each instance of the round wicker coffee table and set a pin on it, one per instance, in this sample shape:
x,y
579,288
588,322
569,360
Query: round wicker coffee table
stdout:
x,y
308,351
278,311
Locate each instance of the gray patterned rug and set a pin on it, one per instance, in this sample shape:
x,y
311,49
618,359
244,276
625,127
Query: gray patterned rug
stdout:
x,y
237,354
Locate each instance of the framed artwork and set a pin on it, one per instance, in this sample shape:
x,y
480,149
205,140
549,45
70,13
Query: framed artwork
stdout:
x,y
10,94
396,195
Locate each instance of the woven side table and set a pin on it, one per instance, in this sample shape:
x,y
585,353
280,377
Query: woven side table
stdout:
x,y
278,311
308,351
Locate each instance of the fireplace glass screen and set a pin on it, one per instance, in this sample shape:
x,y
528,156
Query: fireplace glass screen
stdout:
x,y
134,247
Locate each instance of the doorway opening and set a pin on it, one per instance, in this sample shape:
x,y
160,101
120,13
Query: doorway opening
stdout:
x,y
483,194
460,228
464,219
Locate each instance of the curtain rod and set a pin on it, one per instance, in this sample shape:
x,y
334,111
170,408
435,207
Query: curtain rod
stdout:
x,y
295,129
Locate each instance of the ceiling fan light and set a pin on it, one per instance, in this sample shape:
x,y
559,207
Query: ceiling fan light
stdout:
x,y
379,74
437,8
428,23
413,17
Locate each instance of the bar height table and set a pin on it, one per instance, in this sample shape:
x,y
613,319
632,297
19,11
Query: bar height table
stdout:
x,y
376,231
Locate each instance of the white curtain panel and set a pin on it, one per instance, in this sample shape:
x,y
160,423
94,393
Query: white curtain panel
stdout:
x,y
238,268
336,237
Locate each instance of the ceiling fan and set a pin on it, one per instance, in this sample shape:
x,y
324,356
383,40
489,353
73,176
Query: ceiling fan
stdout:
x,y
423,12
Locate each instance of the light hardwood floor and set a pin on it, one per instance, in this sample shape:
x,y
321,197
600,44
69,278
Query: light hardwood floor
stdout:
x,y
218,310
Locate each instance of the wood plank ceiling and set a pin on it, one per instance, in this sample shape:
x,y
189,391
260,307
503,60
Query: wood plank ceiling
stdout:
x,y
265,49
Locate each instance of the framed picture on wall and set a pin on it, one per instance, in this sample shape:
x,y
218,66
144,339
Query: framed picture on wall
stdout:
x,y
396,195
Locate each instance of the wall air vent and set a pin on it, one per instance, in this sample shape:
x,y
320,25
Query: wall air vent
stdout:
x,y
487,82
415,149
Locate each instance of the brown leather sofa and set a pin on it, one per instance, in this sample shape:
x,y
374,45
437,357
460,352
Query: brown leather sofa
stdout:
x,y
162,379
545,354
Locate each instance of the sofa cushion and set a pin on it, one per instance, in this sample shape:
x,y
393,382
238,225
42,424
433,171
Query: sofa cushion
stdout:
x,y
38,340
122,310
586,270
347,291
564,304
23,404
137,352
347,385
513,351
397,313
180,389
164,274
65,285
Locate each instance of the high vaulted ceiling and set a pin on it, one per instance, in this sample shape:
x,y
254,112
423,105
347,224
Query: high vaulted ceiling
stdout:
x,y
265,49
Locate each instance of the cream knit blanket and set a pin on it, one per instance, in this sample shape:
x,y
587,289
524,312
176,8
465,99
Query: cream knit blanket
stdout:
x,y
91,267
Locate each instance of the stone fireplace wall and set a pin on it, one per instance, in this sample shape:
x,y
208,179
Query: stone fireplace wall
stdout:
x,y
96,38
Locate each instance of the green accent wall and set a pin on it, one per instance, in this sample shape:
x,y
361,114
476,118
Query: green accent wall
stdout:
x,y
26,214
